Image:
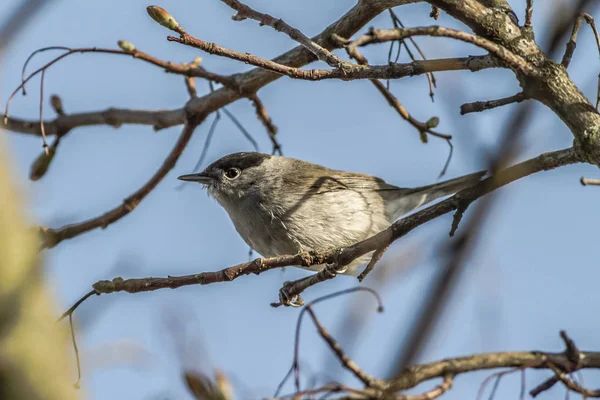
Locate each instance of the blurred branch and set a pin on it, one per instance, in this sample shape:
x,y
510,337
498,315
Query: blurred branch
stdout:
x,y
568,361
340,257
446,280
19,19
417,374
562,21
52,237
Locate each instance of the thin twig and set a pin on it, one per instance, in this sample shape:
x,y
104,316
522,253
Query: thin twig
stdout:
x,y
479,106
243,12
430,77
572,385
384,35
377,254
345,360
591,182
164,119
24,92
42,127
77,304
528,15
76,385
421,127
209,136
168,66
263,116
295,363
572,43
52,237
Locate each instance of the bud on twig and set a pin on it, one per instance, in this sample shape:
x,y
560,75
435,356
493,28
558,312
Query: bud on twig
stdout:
x,y
126,46
433,122
161,16
42,162
196,63
56,104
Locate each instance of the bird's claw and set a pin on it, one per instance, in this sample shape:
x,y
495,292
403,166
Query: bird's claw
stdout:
x,y
287,299
336,269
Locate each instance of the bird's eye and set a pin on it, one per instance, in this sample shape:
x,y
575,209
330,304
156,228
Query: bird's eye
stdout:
x,y
232,173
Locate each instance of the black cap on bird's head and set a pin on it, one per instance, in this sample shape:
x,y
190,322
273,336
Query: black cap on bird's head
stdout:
x,y
227,168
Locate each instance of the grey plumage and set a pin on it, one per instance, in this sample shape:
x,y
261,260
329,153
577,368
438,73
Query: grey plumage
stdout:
x,y
282,205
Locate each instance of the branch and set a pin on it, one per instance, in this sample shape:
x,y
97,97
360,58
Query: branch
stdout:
x,y
528,15
551,86
52,237
243,12
247,82
167,65
263,116
417,374
591,182
341,257
114,117
479,106
384,35
421,127
338,258
572,43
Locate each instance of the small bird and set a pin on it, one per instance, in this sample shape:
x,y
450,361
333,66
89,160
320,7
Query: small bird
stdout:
x,y
282,205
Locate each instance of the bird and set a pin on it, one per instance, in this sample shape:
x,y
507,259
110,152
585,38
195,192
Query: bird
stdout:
x,y
285,206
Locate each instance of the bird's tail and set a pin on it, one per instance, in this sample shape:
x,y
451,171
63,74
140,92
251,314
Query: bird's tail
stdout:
x,y
413,198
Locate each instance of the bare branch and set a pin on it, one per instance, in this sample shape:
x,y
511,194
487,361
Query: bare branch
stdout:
x,y
421,127
263,116
479,106
412,376
167,65
384,35
572,43
591,182
377,254
528,15
248,82
243,12
114,117
52,237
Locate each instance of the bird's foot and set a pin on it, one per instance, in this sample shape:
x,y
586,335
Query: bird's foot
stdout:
x,y
288,299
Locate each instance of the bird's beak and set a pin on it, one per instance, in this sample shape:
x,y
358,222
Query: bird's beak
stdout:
x,y
199,177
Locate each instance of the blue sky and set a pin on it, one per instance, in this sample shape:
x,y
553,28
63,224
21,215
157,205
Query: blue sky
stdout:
x,y
533,273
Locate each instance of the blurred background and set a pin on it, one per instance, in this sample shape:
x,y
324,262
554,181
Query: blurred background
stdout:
x,y
534,271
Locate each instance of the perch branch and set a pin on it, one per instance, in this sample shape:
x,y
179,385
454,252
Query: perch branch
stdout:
x,y
338,258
